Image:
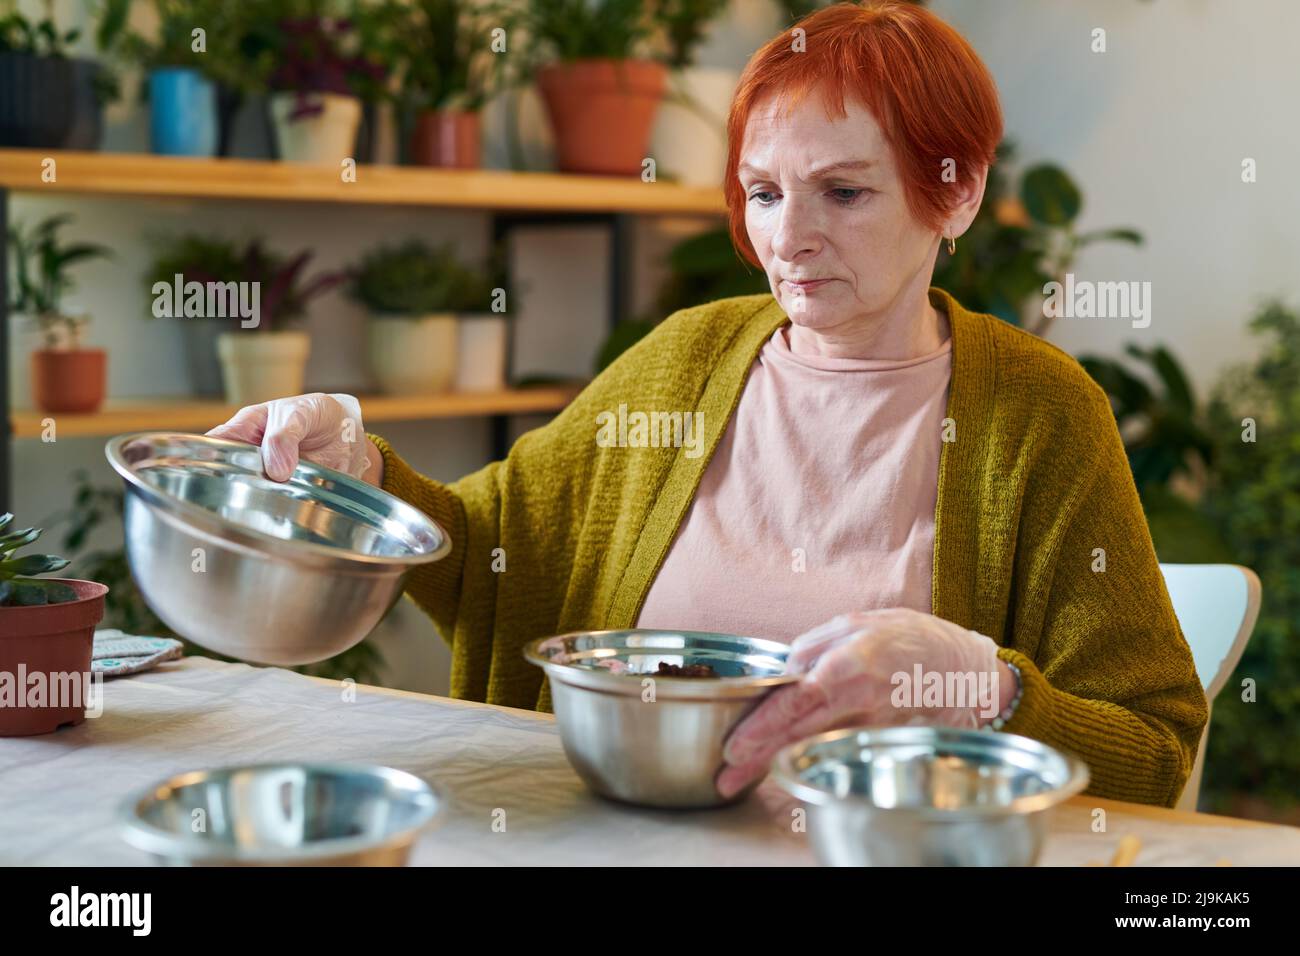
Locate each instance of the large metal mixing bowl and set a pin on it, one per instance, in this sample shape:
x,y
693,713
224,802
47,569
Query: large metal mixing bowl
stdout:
x,y
282,573
927,796
286,814
647,739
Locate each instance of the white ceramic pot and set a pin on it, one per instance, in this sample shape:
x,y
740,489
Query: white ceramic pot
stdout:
x,y
482,363
690,141
329,136
259,366
413,356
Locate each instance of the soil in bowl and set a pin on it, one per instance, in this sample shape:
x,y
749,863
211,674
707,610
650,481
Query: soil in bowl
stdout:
x,y
685,670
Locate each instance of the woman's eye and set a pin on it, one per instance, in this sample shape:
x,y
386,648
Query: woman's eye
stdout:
x,y
846,195
761,202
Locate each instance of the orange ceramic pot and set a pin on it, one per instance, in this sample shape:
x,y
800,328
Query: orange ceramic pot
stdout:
x,y
602,112
52,640
69,380
448,138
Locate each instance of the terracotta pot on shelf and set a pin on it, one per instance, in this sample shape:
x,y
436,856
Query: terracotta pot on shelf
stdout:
x,y
451,139
49,639
69,380
602,112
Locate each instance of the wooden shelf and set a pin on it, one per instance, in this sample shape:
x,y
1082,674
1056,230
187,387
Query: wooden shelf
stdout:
x,y
141,174
198,416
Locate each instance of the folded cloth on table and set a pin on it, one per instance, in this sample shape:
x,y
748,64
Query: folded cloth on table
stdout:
x,y
117,653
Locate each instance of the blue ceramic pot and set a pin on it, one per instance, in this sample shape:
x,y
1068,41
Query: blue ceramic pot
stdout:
x,y
183,112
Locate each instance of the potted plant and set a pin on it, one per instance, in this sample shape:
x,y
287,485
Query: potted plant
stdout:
x,y
51,100
689,143
47,629
266,360
318,74
447,78
65,377
601,87
204,259
183,67
411,329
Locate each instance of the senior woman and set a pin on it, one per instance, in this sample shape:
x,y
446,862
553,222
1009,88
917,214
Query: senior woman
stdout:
x,y
899,486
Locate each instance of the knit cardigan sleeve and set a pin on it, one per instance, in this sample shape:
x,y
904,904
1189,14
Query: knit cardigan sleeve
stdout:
x,y
1107,674
436,587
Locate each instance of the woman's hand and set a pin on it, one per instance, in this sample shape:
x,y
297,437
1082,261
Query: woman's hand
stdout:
x,y
325,429
862,669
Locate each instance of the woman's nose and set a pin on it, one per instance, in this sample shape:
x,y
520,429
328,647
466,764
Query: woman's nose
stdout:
x,y
797,230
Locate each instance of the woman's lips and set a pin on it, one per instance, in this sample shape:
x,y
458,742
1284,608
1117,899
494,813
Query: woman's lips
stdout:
x,y
805,286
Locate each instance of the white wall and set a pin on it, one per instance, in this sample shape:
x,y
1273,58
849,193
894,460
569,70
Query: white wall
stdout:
x,y
1153,130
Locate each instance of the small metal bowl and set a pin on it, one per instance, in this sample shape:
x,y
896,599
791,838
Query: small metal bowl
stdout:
x,y
281,573
281,815
927,796
646,739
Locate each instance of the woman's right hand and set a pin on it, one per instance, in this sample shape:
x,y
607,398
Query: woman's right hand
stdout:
x,y
325,429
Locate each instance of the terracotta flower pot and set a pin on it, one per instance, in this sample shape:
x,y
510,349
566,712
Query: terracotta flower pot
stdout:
x,y
448,138
52,639
602,112
69,380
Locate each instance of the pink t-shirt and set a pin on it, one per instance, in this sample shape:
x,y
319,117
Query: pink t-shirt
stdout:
x,y
819,500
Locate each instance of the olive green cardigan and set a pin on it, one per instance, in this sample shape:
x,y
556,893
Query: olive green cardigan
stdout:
x,y
1035,492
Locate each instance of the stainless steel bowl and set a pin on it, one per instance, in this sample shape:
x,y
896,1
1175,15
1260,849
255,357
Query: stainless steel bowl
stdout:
x,y
927,796
273,572
281,815
650,740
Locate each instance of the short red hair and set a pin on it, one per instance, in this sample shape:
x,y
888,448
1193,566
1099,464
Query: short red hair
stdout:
x,y
931,93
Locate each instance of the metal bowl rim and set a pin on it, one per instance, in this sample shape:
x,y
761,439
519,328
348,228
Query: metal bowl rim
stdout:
x,y
148,838
784,774
201,520
680,688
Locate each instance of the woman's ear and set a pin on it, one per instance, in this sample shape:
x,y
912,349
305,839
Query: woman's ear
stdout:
x,y
969,195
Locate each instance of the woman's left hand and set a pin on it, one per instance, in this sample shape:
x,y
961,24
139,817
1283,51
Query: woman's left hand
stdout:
x,y
861,668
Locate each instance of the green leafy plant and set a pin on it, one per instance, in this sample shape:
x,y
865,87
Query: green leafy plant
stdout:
x,y
41,37
1165,434
682,23
444,58
223,27
568,30
1254,499
18,584
285,294
414,279
1167,439
40,276
196,258
1014,248
798,9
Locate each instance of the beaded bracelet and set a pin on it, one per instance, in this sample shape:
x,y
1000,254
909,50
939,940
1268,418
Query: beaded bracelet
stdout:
x,y
1000,721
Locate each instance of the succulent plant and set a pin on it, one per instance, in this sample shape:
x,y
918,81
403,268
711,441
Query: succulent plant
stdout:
x,y
18,586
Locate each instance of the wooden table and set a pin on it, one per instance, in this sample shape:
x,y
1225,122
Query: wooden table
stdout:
x,y
513,799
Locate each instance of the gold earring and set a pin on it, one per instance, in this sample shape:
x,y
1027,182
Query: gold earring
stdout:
x,y
952,245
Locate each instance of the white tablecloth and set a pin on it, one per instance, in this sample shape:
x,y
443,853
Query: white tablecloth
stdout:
x,y
59,793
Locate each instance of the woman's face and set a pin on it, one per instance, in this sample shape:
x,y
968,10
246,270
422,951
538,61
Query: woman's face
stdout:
x,y
848,226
